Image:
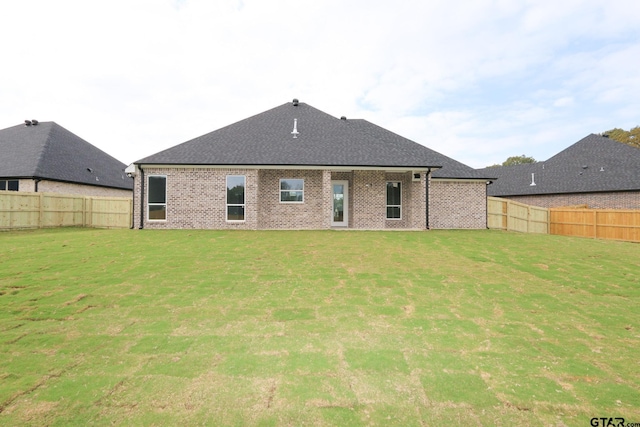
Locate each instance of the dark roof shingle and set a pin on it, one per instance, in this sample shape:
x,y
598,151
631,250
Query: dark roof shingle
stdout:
x,y
593,164
49,151
266,140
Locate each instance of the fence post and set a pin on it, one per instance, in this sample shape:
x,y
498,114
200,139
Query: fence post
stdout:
x,y
40,209
88,211
548,221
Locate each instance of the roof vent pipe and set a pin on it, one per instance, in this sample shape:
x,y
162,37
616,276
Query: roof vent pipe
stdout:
x,y
533,182
27,122
295,132
34,122
343,118
295,102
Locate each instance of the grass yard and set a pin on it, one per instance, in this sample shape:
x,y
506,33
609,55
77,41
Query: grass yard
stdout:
x,y
102,327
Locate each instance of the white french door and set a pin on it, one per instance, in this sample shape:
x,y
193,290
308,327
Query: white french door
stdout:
x,y
340,211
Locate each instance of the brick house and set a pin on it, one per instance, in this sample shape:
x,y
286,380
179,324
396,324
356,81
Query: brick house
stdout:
x,y
45,157
296,167
596,171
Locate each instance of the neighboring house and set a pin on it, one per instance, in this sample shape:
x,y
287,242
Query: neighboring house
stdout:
x,y
45,157
295,167
595,171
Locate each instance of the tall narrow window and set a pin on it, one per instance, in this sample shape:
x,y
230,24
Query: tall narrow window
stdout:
x,y
235,197
291,190
157,198
394,200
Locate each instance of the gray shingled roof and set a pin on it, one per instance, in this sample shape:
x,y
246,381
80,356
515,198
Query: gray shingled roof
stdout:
x,y
266,140
593,164
450,168
49,151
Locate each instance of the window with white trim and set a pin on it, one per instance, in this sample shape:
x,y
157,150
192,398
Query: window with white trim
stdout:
x,y
235,198
157,198
394,200
292,191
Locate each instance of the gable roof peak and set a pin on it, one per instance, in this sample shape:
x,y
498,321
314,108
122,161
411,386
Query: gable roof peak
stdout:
x,y
319,140
47,150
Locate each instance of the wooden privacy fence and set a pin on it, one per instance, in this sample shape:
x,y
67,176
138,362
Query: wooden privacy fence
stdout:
x,y
505,214
611,224
40,210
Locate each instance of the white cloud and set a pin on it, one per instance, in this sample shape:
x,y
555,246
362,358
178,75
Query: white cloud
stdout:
x,y
478,81
565,101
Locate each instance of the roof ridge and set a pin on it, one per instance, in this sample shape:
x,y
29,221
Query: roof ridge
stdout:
x,y
324,140
45,147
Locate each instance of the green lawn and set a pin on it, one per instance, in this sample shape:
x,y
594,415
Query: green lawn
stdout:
x,y
130,327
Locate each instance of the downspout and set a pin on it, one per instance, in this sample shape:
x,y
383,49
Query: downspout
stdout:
x,y
486,199
133,204
141,226
427,177
37,180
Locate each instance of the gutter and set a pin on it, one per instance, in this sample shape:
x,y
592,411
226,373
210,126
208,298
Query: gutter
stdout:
x,y
334,167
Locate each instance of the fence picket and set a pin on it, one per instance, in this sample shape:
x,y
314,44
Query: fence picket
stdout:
x,y
40,210
505,214
612,224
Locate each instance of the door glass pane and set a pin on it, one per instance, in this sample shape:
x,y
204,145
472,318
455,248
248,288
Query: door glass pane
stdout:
x,y
338,202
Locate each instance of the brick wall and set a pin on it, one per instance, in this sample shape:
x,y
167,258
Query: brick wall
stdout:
x,y
368,198
327,199
311,214
196,198
27,185
610,200
406,201
45,186
418,212
457,204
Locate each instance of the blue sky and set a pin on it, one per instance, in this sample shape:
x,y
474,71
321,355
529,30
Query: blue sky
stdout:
x,y
478,80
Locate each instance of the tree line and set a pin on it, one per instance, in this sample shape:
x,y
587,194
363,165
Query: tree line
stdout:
x,y
630,137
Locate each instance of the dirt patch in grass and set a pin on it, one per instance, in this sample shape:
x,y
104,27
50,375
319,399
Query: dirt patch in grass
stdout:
x,y
76,299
